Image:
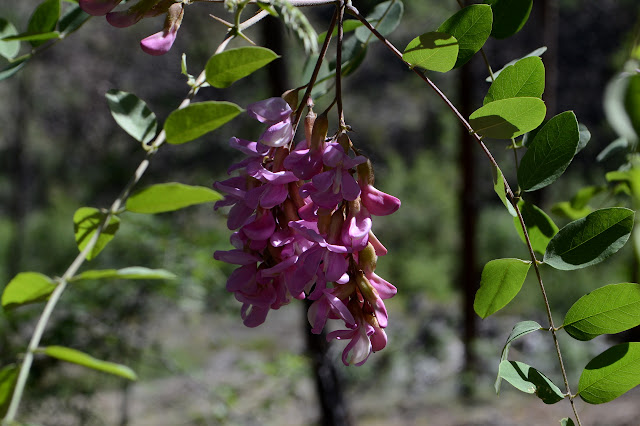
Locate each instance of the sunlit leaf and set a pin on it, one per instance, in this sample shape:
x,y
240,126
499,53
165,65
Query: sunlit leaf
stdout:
x,y
590,240
611,374
432,51
509,16
567,422
608,310
130,273
198,119
167,197
500,282
86,360
8,378
565,209
520,329
26,288
540,227
471,26
34,38
538,52
585,137
229,66
500,189
508,118
13,68
132,114
385,18
527,379
86,221
550,152
632,102
525,78
8,49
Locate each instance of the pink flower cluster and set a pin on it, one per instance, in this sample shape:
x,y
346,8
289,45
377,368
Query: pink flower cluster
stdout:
x,y
302,222
156,44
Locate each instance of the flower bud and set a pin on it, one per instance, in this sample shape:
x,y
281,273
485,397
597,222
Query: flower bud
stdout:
x,y
365,173
319,133
291,96
344,142
309,121
367,258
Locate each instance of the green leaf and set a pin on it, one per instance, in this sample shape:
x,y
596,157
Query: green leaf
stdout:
x,y
567,422
540,227
8,49
229,66
26,288
86,360
565,209
616,149
353,54
615,108
608,310
13,68
632,102
385,17
349,25
550,152
8,379
585,137
527,379
520,329
132,114
590,240
432,51
611,374
86,221
538,52
73,19
187,124
500,282
509,16
508,118
130,273
499,188
167,197
44,19
471,26
525,78
34,37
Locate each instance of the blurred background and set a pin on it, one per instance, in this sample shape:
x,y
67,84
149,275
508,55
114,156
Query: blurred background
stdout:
x,y
198,365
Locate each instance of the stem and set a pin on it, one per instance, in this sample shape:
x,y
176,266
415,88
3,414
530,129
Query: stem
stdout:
x,y
34,343
341,123
316,70
509,192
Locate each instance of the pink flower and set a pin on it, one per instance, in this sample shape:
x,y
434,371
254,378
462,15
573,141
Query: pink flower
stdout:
x,y
359,348
328,306
304,162
124,18
275,112
161,42
377,202
98,7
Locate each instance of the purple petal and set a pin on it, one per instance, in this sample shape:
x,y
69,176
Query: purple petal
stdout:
x,y
262,228
124,18
278,134
253,149
270,110
237,257
385,289
98,7
350,188
377,202
159,43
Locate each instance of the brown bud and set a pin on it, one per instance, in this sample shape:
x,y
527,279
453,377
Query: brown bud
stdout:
x,y
367,258
365,173
319,133
344,142
309,120
291,96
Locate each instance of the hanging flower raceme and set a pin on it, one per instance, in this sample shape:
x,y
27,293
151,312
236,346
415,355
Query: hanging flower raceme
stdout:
x,y
302,220
156,44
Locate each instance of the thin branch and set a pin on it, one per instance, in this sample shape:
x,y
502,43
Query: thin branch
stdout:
x,y
341,123
509,192
151,149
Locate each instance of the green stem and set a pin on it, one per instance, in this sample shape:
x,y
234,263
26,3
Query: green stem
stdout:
x,y
34,343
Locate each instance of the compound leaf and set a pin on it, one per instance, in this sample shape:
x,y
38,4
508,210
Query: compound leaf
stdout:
x,y
187,124
76,357
86,221
432,51
26,288
527,379
508,118
471,26
132,114
167,197
525,78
